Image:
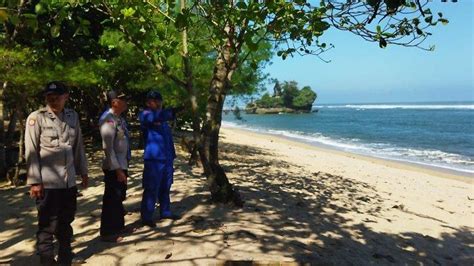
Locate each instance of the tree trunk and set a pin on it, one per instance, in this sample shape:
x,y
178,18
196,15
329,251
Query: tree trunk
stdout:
x,y
3,167
219,185
21,158
10,42
13,119
188,74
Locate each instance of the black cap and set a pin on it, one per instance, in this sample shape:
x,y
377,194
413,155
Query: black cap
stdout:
x,y
154,95
111,95
55,87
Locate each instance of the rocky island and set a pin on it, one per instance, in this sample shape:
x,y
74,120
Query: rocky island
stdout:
x,y
286,98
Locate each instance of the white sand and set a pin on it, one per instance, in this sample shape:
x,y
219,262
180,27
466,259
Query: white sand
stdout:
x,y
303,204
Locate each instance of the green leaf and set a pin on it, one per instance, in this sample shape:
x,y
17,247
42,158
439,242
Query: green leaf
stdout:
x,y
320,26
416,21
429,19
373,3
31,20
252,46
58,67
241,5
443,21
181,21
382,43
379,29
127,12
29,16
39,9
55,31
3,15
393,4
86,31
85,22
14,19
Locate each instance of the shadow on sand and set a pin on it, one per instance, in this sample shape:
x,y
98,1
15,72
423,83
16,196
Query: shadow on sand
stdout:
x,y
298,214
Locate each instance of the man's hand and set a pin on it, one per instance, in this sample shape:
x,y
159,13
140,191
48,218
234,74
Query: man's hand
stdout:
x,y
121,176
36,191
85,181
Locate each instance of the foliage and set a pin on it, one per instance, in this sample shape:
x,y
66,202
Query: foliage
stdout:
x,y
111,44
289,92
291,97
305,99
268,101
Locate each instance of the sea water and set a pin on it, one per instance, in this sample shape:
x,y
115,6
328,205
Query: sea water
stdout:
x,y
432,134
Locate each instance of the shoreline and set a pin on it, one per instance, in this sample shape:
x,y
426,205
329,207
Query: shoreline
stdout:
x,y
390,162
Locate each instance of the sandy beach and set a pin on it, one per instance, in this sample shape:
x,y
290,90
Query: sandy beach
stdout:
x,y
303,204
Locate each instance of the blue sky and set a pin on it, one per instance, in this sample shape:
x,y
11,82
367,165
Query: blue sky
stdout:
x,y
361,72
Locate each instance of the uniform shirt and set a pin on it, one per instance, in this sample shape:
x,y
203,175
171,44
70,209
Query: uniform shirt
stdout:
x,y
54,148
115,141
157,134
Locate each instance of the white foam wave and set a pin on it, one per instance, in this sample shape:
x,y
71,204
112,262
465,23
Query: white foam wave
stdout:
x,y
434,158
401,106
230,124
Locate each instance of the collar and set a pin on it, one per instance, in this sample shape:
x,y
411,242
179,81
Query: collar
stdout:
x,y
52,115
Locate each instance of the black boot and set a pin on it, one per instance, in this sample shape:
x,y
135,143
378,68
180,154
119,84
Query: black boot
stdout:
x,y
65,258
65,262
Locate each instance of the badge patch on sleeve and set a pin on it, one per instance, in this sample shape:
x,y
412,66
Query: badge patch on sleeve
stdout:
x,y
32,122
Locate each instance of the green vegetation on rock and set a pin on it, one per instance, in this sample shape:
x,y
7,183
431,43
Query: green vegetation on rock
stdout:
x,y
286,98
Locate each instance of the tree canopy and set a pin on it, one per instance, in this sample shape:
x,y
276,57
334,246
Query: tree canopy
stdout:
x,y
195,52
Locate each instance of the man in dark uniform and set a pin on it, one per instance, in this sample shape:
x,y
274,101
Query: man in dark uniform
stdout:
x,y
116,146
158,156
54,152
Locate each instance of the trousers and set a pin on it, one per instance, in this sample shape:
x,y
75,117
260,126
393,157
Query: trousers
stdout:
x,y
112,219
157,181
56,212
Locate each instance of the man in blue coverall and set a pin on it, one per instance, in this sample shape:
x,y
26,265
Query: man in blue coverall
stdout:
x,y
158,156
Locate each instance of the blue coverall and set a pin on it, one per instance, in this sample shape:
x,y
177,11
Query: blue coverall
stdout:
x,y
158,156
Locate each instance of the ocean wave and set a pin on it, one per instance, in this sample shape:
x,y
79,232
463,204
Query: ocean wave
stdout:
x,y
433,158
400,106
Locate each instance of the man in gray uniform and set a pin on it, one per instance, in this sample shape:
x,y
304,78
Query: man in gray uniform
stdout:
x,y
115,143
54,152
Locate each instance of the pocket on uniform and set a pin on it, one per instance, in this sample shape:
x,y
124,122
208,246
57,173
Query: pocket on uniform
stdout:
x,y
49,138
